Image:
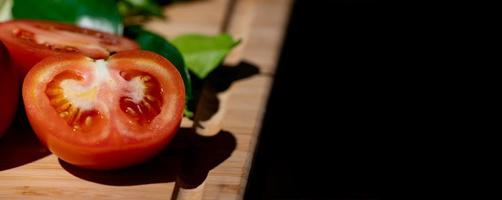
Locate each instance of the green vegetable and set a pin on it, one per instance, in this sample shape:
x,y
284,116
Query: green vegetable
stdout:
x,y
204,53
156,43
143,8
97,14
187,112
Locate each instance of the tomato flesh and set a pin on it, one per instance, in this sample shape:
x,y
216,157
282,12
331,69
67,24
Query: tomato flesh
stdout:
x,y
104,114
30,41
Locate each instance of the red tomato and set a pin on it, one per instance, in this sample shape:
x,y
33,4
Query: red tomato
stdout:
x,y
8,89
29,42
104,114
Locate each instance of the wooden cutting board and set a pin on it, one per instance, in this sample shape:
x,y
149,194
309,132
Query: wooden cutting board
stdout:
x,y
210,157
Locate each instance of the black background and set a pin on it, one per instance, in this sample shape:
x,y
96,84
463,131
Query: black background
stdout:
x,y
337,107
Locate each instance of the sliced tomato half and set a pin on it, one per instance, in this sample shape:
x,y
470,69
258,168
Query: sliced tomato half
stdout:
x,y
30,41
104,114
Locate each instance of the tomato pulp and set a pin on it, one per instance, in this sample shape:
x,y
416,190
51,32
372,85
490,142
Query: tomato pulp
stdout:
x,y
104,114
30,41
8,90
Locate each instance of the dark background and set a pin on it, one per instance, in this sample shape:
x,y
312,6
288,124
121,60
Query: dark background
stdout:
x,y
337,107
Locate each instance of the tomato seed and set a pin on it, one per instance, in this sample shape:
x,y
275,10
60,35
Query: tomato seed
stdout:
x,y
130,111
149,97
146,104
88,121
70,49
58,100
63,107
54,91
63,114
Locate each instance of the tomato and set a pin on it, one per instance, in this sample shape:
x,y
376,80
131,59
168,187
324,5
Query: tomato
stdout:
x,y
8,89
104,114
30,41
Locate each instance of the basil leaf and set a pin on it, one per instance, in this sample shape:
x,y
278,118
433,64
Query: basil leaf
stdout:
x,y
203,53
156,43
96,14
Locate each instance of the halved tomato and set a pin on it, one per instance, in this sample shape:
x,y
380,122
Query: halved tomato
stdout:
x,y
30,41
104,114
8,89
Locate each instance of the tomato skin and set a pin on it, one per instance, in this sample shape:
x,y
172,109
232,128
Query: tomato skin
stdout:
x,y
9,91
118,149
25,53
24,59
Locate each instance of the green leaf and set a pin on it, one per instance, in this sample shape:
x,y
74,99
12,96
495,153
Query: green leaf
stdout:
x,y
187,113
96,14
156,43
204,53
140,7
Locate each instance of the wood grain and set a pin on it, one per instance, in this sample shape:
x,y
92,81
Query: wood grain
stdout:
x,y
264,34
46,179
211,163
199,16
